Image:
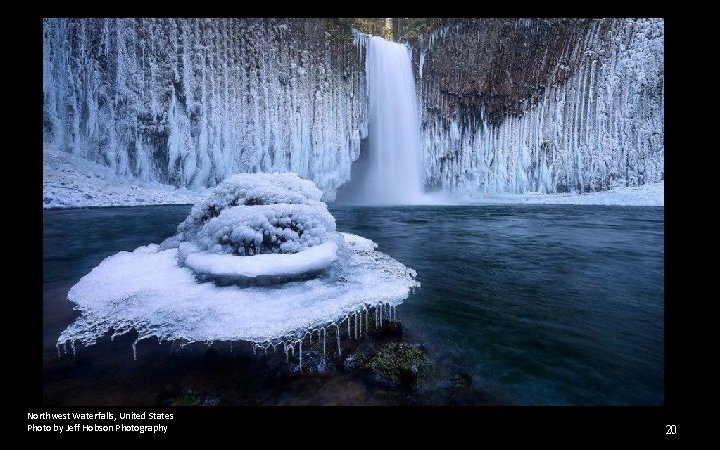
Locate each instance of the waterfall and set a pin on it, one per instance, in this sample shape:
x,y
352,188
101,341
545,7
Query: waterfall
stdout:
x,y
395,160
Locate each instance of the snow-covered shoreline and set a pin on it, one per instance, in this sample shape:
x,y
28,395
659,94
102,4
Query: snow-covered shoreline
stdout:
x,y
651,194
74,182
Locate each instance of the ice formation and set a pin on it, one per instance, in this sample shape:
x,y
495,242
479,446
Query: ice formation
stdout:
x,y
601,129
230,274
188,102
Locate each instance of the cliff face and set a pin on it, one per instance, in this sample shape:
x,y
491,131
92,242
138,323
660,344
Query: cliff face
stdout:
x,y
550,105
188,102
506,105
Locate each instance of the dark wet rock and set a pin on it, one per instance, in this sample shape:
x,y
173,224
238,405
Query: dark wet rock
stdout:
x,y
390,329
355,361
460,380
501,65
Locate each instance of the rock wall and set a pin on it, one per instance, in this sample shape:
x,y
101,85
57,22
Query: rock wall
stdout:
x,y
189,102
549,105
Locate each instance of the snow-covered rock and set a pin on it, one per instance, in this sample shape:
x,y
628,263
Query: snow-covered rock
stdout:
x,y
277,219
198,286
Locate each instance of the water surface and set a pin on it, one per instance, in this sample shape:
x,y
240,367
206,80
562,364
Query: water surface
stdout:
x,y
538,304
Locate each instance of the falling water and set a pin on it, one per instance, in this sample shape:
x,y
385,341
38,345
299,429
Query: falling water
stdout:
x,y
394,172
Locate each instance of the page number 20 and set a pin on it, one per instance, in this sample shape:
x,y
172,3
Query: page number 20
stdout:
x,y
670,429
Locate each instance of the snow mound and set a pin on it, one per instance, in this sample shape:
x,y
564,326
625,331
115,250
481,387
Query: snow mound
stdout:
x,y
258,227
252,189
200,284
249,230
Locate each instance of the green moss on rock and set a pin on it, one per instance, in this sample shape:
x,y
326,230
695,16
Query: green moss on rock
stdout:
x,y
398,363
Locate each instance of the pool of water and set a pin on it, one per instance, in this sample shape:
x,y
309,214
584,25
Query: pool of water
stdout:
x,y
541,304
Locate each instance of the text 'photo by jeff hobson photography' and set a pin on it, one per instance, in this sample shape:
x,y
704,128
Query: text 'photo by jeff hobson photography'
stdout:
x,y
352,212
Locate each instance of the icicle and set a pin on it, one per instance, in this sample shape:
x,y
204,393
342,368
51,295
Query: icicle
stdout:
x,y
357,321
134,349
58,349
337,335
231,347
348,319
300,353
323,338
367,312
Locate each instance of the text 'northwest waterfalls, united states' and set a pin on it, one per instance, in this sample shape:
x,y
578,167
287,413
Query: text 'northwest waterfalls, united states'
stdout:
x,y
394,171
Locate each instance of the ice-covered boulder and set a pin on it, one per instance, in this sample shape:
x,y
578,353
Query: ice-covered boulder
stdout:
x,y
252,189
260,228
258,260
